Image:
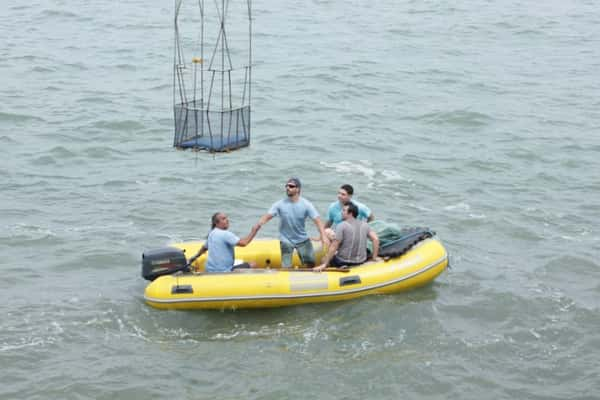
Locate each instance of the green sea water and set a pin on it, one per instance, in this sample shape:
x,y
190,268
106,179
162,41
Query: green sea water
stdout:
x,y
477,119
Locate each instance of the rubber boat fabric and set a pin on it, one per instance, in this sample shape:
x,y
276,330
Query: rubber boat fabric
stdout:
x,y
413,260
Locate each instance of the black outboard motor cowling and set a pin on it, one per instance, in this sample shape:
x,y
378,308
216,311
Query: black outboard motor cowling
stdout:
x,y
163,261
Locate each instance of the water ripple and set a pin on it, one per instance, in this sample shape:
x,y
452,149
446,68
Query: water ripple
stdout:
x,y
478,121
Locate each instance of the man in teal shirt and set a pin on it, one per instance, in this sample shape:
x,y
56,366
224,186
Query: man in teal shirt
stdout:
x,y
334,214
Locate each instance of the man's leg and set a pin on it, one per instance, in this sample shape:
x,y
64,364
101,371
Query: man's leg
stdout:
x,y
306,253
287,250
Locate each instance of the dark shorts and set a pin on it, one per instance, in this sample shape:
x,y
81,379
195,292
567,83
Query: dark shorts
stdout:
x,y
337,263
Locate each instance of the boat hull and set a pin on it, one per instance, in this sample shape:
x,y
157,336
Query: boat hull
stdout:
x,y
275,287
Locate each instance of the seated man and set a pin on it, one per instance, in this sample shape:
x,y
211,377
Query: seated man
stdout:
x,y
350,244
344,195
220,246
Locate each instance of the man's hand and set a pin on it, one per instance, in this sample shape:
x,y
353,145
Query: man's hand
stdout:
x,y
320,268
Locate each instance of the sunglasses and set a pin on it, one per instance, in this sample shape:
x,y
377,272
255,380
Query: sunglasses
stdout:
x,y
290,186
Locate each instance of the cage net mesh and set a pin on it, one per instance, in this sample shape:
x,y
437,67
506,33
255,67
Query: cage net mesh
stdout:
x,y
202,129
212,74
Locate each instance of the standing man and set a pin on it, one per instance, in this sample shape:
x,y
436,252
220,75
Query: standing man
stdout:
x,y
292,212
344,195
350,244
220,245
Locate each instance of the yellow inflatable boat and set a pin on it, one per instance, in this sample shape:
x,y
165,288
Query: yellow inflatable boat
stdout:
x,y
421,259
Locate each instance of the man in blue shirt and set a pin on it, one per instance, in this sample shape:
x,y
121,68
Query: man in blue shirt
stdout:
x,y
220,245
344,195
292,212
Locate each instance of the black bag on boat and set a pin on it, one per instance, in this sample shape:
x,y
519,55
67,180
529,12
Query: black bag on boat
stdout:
x,y
405,240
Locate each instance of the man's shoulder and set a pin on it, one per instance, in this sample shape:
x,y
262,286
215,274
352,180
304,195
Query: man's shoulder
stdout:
x,y
356,223
279,203
230,237
344,225
362,222
305,202
359,204
223,234
220,232
363,210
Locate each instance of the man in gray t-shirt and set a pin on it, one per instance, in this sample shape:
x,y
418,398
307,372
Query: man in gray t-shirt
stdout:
x,y
350,244
292,212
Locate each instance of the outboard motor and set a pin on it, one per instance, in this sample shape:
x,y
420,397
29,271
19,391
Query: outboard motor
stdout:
x,y
163,261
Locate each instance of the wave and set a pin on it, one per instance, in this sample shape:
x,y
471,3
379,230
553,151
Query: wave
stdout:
x,y
59,13
363,168
43,161
460,118
43,70
62,152
125,125
5,140
13,117
95,100
22,233
103,152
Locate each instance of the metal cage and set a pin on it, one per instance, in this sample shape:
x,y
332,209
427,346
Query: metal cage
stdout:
x,y
212,95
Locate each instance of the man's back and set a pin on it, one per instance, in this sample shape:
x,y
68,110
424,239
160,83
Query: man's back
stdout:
x,y
220,244
352,235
